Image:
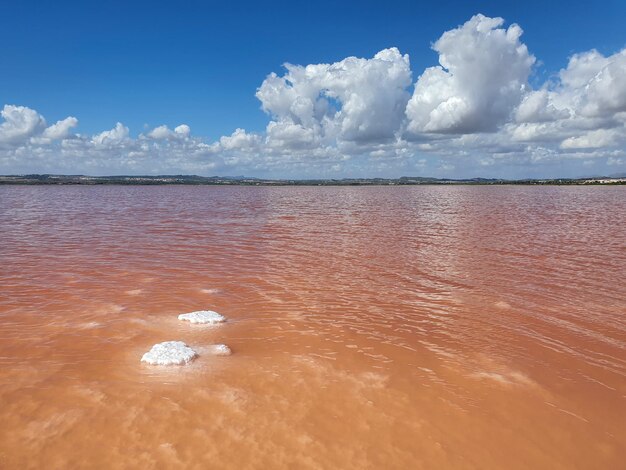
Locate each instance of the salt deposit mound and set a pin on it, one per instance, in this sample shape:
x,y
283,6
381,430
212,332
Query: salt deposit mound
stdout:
x,y
169,353
202,316
220,350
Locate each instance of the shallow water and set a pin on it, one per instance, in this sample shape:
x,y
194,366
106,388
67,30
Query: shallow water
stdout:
x,y
383,327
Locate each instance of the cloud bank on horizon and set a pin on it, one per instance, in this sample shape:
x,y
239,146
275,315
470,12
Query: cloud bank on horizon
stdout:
x,y
473,114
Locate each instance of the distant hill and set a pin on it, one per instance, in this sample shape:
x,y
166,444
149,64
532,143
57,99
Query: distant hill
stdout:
x,y
47,179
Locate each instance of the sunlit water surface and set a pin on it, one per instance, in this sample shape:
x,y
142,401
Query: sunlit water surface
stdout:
x,y
407,327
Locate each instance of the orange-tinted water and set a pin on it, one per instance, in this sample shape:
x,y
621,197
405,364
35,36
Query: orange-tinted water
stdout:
x,y
382,327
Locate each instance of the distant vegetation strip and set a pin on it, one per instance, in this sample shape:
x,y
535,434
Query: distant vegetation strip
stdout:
x,y
244,181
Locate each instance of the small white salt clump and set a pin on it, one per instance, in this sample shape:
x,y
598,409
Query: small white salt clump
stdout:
x,y
220,350
202,316
210,291
169,353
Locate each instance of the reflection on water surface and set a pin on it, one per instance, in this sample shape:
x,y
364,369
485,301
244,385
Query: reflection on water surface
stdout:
x,y
412,327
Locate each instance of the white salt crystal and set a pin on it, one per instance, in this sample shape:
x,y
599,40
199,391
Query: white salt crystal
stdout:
x,y
220,350
202,316
169,353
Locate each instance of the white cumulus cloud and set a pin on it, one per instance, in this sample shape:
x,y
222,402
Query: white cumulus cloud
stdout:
x,y
183,130
482,77
584,109
60,129
356,99
118,134
19,124
474,114
592,139
164,132
240,140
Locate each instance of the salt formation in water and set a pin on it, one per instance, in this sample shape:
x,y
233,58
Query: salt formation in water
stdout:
x,y
210,291
202,316
220,350
169,353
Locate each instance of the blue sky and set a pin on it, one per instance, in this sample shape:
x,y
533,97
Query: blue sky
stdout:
x,y
200,63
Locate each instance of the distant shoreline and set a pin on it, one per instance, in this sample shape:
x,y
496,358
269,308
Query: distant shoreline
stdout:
x,y
193,180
